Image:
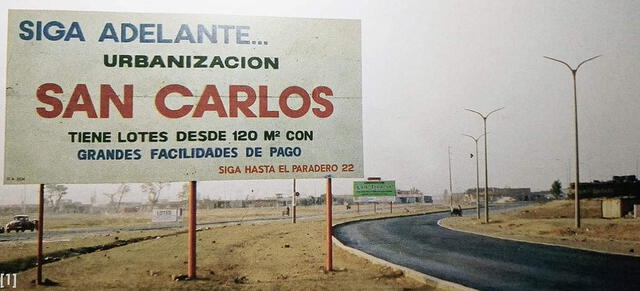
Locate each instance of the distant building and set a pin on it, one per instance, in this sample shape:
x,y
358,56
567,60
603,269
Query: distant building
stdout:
x,y
519,194
618,186
542,195
412,195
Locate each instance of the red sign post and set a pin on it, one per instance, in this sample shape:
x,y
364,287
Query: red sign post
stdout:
x,y
328,264
40,226
192,231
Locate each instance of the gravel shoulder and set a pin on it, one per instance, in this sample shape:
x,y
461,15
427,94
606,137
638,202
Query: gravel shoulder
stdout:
x,y
553,223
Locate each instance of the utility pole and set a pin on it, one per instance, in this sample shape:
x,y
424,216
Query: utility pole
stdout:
x,y
475,139
575,116
486,163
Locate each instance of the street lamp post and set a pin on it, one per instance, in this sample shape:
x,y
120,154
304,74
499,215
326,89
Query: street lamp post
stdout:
x,y
475,139
486,163
575,115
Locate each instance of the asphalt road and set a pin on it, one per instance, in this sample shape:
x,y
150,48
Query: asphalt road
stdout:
x,y
486,263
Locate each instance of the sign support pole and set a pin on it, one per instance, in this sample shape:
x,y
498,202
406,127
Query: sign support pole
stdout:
x,y
391,206
328,264
358,207
192,231
375,205
40,232
293,201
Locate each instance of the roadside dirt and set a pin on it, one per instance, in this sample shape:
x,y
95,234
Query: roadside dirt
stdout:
x,y
20,255
54,221
252,256
553,222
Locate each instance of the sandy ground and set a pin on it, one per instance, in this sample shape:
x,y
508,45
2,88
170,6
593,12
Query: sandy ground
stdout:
x,y
553,223
249,256
16,250
80,227
55,221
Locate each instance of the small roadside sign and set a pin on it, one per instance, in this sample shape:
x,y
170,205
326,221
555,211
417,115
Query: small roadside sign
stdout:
x,y
165,215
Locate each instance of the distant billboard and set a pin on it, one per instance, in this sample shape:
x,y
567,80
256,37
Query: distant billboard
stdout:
x,y
374,191
105,97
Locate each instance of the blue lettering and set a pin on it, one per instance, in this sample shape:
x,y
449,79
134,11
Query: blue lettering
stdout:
x,y
212,35
144,32
26,26
226,31
123,32
82,155
58,34
108,32
160,38
38,30
74,31
240,35
184,34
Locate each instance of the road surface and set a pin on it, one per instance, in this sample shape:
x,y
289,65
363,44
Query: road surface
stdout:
x,y
486,263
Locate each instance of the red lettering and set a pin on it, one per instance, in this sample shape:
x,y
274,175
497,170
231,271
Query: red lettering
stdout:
x,y
54,102
125,107
328,106
162,96
80,92
263,97
284,106
210,92
235,104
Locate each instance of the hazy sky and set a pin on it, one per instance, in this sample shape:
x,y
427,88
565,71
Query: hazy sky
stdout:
x,y
423,62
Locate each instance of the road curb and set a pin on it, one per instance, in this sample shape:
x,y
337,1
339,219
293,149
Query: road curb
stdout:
x,y
532,242
408,272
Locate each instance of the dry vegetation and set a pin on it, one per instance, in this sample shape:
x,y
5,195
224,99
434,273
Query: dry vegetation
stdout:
x,y
20,254
82,221
246,256
553,223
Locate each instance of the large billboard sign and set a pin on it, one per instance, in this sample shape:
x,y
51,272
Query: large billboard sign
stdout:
x,y
97,97
374,191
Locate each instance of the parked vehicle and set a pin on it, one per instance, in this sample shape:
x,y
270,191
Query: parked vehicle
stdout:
x,y
21,223
456,211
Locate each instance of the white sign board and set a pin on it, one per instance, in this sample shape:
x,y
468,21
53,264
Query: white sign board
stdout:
x,y
164,215
101,97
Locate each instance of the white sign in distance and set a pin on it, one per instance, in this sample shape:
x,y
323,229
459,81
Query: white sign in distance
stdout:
x,y
102,97
165,215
